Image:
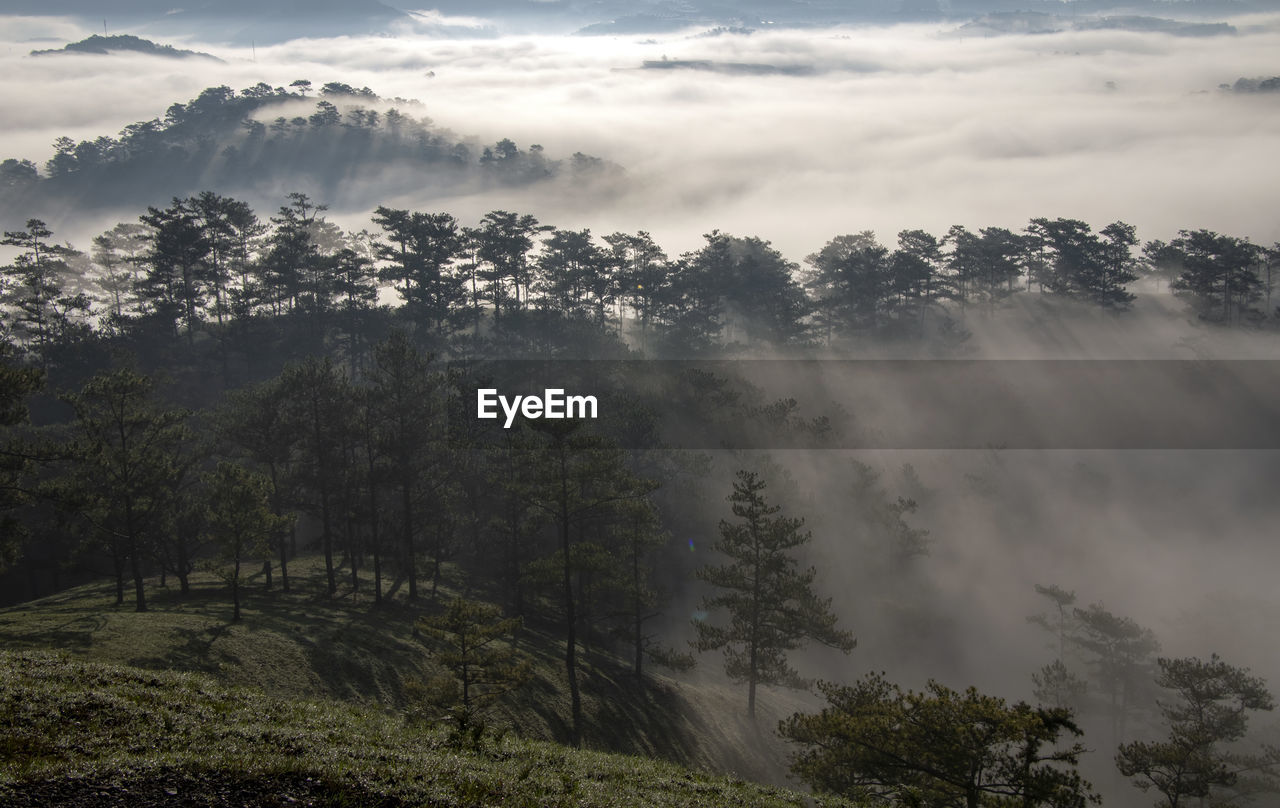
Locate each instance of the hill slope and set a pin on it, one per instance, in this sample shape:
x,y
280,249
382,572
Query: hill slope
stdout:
x,y
303,644
103,45
77,733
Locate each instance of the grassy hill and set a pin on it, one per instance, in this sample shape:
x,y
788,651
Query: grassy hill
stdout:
x,y
306,645
80,733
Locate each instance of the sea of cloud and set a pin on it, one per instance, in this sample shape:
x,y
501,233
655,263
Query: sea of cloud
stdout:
x,y
888,128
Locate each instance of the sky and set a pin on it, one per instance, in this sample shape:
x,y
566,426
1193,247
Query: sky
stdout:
x,y
890,128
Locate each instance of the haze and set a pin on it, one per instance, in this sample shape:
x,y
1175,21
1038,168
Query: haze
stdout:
x,y
800,135
889,128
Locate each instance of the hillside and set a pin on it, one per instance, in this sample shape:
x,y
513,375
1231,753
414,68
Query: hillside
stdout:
x,y
124,43
244,21
304,645
260,141
79,733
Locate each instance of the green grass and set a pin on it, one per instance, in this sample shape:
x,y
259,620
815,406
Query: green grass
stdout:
x,y
306,645
71,728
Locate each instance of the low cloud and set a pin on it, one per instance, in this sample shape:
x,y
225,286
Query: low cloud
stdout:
x,y
894,127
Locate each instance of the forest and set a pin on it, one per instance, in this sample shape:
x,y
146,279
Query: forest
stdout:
x,y
262,136
203,402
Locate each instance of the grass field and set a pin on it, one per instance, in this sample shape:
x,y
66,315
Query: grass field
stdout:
x,y
297,653
81,733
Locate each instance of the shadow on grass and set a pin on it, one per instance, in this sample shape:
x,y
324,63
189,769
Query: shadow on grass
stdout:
x,y
194,652
306,643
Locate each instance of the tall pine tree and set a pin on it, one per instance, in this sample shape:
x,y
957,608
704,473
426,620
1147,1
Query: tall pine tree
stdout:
x,y
771,604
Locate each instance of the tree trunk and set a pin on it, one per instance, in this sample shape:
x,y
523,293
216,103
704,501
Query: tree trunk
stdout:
x,y
373,541
284,562
277,510
235,591
326,537
438,561
351,545
639,648
571,622
118,563
635,605
140,594
184,564
406,504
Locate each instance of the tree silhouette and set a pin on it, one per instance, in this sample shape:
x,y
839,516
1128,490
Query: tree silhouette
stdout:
x,y
475,644
128,456
16,384
771,605
1121,656
874,742
1209,713
1218,277
45,313
240,520
577,478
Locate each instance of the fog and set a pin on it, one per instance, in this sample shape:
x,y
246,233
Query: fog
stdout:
x,y
895,127
881,128
1179,541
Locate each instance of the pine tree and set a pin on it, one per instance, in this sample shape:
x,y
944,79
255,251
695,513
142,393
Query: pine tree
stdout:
x,y
771,605
504,242
574,275
257,423
240,520
129,456
119,253
756,287
1122,654
643,276
577,479
35,286
319,402
1055,683
1210,713
178,277
408,394
1072,260
876,744
474,643
421,253
915,277
851,283
1219,276
16,384
638,534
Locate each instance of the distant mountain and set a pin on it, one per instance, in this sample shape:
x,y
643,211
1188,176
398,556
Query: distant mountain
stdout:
x,y
264,21
204,8
124,43
1258,85
733,68
226,20
1035,22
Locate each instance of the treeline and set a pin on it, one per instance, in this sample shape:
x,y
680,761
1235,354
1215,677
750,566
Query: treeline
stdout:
x,y
268,135
207,271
